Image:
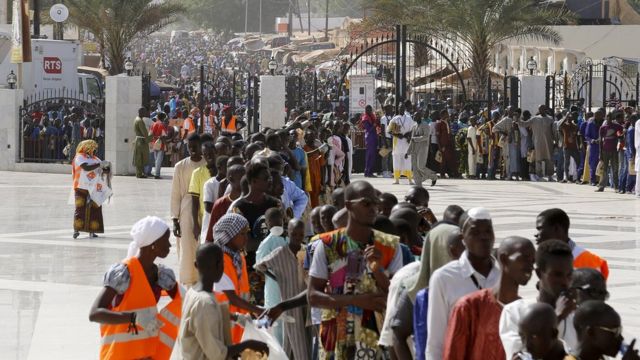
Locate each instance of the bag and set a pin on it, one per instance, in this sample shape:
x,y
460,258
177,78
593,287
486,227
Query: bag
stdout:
x,y
600,169
384,152
251,332
66,150
632,167
157,145
439,156
531,156
100,192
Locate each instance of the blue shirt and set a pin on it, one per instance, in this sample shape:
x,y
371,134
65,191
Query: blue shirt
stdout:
x,y
420,322
629,139
294,197
271,289
298,154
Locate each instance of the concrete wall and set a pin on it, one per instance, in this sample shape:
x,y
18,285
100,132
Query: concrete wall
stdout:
x,y
10,101
124,96
531,92
597,41
272,101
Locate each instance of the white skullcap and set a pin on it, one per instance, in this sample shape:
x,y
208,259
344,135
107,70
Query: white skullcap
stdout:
x,y
479,213
145,232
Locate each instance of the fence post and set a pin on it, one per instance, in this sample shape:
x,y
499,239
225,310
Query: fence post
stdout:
x,y
489,96
604,86
398,72
590,84
201,102
315,91
403,76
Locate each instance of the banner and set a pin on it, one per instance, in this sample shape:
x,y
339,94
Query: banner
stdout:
x,y
16,35
21,34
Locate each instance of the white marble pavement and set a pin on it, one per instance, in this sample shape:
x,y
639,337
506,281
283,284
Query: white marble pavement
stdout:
x,y
48,280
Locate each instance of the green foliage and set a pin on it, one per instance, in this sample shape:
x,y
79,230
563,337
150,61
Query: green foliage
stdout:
x,y
475,26
117,23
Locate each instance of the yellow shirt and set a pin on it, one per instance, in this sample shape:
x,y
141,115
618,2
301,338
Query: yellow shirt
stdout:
x,y
196,185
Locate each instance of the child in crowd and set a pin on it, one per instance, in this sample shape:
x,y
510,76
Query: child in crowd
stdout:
x,y
211,191
235,174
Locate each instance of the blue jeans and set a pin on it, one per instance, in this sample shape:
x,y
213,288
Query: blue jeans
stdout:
x,y
558,160
149,166
159,157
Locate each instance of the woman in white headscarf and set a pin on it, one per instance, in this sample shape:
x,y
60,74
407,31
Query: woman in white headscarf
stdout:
x,y
126,306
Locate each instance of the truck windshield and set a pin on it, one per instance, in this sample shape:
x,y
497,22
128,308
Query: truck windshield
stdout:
x,y
93,88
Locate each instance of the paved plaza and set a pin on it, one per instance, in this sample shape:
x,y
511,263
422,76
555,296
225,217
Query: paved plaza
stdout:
x,y
48,281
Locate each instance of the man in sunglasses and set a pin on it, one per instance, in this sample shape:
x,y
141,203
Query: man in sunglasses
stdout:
x,y
600,333
349,278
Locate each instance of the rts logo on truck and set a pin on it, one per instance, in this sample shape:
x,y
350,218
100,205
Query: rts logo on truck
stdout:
x,y
52,65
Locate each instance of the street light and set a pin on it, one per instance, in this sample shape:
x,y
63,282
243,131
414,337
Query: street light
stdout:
x,y
532,65
273,65
12,79
128,66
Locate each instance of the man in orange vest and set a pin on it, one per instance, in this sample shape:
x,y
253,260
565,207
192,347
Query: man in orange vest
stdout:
x,y
204,332
131,325
554,224
229,124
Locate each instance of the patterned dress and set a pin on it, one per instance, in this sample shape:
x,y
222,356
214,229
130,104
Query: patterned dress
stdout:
x,y
352,332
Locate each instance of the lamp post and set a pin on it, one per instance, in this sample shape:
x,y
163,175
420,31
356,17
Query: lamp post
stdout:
x,y
532,65
12,79
273,65
128,66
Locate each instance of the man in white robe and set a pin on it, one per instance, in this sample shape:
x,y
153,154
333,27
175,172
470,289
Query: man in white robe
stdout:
x,y
400,128
181,211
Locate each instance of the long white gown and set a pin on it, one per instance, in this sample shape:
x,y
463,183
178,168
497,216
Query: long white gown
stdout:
x,y
401,166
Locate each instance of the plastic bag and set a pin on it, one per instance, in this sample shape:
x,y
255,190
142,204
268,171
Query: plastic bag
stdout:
x,y
100,191
251,332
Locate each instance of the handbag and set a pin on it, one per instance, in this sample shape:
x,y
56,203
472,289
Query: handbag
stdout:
x,y
384,152
157,145
439,156
600,169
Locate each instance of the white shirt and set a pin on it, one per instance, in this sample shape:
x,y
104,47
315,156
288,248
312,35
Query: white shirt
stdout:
x,y
434,135
386,335
209,194
510,318
471,134
385,121
447,285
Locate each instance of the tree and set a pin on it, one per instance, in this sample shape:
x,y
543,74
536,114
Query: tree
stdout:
x,y
474,26
117,23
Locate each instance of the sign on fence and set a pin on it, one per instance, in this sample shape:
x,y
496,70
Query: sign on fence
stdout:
x,y
362,92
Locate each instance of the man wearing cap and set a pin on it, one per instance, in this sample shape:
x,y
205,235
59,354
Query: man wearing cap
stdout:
x,y
475,270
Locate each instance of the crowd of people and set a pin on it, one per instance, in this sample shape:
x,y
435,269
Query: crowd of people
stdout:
x,y
571,146
270,230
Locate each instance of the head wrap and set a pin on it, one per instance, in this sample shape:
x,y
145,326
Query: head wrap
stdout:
x,y
228,227
477,213
87,147
146,232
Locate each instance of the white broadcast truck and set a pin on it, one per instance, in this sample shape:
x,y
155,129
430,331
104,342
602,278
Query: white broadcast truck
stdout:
x,y
53,72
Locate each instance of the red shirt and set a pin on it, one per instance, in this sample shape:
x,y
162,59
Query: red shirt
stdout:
x,y
158,129
473,330
220,208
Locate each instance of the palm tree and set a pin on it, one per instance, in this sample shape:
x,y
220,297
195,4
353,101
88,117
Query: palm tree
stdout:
x,y
117,23
475,26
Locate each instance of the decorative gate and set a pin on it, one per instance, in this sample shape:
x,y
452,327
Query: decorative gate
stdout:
x,y
511,88
427,71
609,83
52,124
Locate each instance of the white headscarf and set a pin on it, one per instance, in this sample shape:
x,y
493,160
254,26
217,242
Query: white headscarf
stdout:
x,y
478,213
145,232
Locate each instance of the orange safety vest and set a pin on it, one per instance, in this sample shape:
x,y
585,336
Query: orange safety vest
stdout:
x,y
241,287
170,316
586,259
118,343
231,128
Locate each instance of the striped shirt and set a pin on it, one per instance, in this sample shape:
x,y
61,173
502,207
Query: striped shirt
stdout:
x,y
282,263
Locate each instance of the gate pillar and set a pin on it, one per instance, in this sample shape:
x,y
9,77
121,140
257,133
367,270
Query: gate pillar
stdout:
x,y
10,101
124,96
